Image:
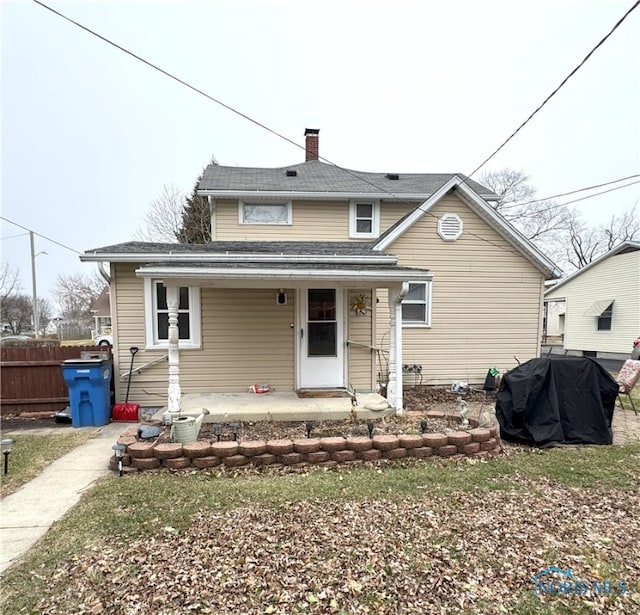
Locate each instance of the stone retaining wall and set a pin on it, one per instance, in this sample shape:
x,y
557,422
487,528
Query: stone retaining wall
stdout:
x,y
474,442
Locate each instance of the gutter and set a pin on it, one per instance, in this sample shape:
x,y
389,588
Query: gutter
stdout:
x,y
296,194
200,257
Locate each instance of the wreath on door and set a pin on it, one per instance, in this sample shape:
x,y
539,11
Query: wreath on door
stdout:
x,y
360,305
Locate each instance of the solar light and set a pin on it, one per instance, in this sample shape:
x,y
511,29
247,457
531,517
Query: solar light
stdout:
x,y
370,427
217,430
234,429
309,428
424,424
119,450
6,444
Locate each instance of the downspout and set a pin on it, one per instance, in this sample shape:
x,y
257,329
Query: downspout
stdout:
x,y
103,273
212,217
394,386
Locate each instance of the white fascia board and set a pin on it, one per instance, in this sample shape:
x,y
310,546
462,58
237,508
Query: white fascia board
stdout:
x,y
298,194
485,211
615,250
237,257
509,232
416,214
325,195
298,275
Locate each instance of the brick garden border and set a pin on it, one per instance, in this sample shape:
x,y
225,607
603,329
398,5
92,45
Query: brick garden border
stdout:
x,y
325,452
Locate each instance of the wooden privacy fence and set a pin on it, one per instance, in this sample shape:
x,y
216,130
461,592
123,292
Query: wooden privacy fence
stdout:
x,y
31,377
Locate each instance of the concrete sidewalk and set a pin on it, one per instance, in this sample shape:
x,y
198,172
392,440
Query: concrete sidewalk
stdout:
x,y
28,513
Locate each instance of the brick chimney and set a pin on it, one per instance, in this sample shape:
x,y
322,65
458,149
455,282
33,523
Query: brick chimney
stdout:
x,y
311,143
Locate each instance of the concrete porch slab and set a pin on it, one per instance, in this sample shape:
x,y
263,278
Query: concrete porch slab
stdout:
x,y
278,406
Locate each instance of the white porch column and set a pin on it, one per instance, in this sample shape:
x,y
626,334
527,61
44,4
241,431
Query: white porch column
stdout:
x,y
394,386
174,394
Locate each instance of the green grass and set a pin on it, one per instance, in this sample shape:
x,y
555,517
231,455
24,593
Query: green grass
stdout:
x,y
143,504
30,454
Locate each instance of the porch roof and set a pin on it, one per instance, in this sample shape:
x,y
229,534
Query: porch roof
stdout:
x,y
225,251
268,275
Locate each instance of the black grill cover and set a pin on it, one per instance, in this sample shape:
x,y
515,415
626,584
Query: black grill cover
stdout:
x,y
566,400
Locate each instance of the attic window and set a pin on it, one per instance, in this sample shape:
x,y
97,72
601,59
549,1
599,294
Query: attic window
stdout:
x,y
450,227
393,176
292,173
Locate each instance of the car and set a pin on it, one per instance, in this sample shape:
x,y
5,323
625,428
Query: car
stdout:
x,y
103,340
635,353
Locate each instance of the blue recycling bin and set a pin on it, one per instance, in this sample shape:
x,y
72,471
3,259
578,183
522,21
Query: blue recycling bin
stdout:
x,y
89,382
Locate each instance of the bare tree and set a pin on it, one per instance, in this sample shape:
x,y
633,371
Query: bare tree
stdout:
x,y
163,219
9,290
584,244
17,313
45,314
541,221
75,293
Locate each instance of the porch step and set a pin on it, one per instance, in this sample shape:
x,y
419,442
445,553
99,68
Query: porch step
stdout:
x,y
276,406
322,393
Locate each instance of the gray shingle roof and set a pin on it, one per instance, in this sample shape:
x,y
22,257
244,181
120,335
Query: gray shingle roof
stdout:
x,y
316,176
341,248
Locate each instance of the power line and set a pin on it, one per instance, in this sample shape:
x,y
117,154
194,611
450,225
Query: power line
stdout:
x,y
465,179
555,196
243,115
583,198
13,236
40,235
548,98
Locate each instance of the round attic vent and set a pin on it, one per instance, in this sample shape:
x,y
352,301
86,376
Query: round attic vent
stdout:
x,y
450,227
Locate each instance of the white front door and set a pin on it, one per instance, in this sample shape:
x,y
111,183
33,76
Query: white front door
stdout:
x,y
321,348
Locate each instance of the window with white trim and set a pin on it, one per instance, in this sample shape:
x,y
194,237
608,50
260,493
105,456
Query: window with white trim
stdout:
x,y
605,319
416,306
265,213
157,316
364,219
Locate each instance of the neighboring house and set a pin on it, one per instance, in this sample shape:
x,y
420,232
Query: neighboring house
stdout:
x,y
602,304
322,277
101,311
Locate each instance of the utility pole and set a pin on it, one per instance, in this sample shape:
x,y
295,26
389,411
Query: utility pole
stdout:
x,y
36,324
33,285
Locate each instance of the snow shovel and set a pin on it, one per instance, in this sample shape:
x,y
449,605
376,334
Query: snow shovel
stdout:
x,y
127,411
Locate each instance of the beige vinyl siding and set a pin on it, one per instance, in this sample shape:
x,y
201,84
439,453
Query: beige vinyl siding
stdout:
x,y
391,212
618,278
246,339
311,221
486,300
361,360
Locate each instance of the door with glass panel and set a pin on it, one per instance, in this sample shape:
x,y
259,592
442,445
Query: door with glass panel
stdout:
x,y
320,336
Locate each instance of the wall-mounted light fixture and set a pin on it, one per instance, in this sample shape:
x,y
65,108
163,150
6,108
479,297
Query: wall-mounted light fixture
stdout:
x,y
281,297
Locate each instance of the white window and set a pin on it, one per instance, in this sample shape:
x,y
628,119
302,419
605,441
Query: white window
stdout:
x,y
157,316
364,219
265,213
416,306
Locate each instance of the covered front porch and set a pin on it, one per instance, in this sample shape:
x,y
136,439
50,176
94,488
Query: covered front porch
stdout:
x,y
281,406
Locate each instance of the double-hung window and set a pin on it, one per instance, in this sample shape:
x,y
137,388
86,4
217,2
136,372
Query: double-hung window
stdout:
x,y
416,306
364,219
157,315
265,213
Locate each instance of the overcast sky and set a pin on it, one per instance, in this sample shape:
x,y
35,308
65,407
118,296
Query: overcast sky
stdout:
x,y
90,135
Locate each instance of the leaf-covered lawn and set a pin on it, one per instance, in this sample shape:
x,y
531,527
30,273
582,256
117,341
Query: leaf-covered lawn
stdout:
x,y
422,555
441,537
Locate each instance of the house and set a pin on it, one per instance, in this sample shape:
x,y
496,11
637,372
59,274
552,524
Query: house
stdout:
x,y
101,312
324,277
601,304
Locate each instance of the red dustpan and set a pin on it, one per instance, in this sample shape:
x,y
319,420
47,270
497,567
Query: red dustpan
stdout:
x,y
127,411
